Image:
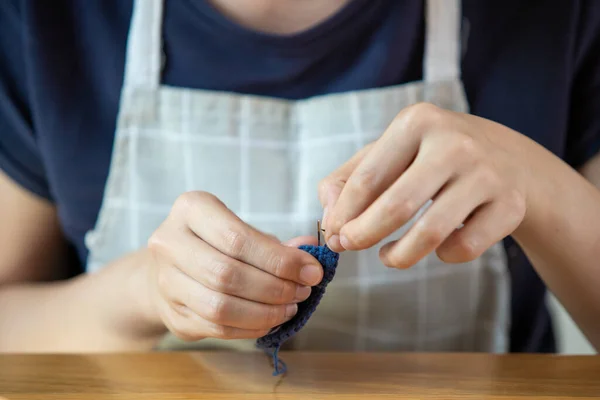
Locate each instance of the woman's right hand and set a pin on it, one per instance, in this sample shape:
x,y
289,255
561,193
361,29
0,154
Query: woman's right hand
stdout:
x,y
212,275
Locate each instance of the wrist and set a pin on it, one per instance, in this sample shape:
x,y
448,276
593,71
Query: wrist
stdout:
x,y
113,306
546,179
142,295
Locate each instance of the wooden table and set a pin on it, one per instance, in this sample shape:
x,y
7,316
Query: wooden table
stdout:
x,y
228,375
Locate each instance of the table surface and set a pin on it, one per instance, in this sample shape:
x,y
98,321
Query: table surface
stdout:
x,y
227,375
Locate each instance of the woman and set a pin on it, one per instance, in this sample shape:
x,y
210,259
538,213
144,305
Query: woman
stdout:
x,y
171,177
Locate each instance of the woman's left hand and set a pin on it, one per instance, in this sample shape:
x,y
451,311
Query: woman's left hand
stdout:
x,y
473,169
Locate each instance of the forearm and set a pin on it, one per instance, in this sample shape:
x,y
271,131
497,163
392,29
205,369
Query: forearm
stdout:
x,y
561,237
105,311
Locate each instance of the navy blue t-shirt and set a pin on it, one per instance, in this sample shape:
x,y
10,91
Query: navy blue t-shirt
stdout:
x,y
531,65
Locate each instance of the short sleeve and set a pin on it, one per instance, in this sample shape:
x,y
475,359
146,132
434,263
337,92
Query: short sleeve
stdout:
x,y
583,140
19,155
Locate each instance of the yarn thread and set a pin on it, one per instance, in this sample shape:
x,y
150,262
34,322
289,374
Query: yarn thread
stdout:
x,y
271,342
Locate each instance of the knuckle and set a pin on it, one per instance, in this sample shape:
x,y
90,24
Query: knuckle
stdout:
x,y
220,332
186,201
284,292
363,180
216,311
401,210
419,115
464,150
425,110
277,263
467,249
328,187
159,242
430,235
235,242
487,177
468,146
324,185
517,205
225,277
462,147
191,200
274,315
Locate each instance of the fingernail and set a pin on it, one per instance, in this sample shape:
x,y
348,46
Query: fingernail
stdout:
x,y
334,242
310,274
291,310
302,293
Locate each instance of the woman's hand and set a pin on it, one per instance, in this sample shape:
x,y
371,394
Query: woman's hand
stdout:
x,y
470,167
215,276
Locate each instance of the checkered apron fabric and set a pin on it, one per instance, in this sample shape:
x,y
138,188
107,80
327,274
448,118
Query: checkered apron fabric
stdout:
x,y
263,157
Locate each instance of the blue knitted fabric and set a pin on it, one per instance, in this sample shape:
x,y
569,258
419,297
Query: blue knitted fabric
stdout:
x,y
272,341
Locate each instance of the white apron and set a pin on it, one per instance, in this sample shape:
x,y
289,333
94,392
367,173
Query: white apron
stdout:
x,y
263,157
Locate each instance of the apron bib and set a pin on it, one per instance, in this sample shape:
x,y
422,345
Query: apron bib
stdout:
x,y
263,157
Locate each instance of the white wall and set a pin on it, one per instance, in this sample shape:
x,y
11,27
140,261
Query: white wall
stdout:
x,y
569,337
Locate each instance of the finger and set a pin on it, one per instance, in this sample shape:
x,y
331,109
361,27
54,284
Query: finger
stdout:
x,y
227,275
397,205
223,309
450,209
301,241
386,161
331,187
218,226
487,226
189,326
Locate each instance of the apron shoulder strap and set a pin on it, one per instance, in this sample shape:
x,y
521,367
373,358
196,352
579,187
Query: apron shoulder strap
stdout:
x,y
442,40
143,62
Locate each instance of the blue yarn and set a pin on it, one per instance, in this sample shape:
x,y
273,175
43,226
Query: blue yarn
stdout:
x,y
272,341
276,362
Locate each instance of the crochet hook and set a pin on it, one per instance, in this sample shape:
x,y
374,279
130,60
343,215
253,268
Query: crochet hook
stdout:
x,y
319,230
